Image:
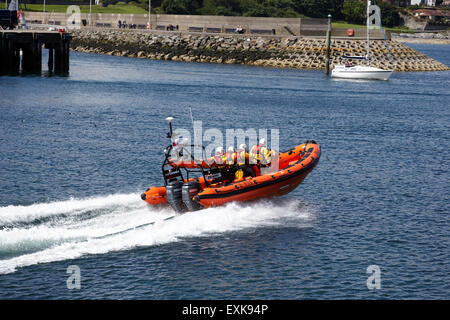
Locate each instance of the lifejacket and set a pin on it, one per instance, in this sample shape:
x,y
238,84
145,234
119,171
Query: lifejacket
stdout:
x,y
265,156
254,154
239,175
273,156
242,158
272,160
231,158
220,159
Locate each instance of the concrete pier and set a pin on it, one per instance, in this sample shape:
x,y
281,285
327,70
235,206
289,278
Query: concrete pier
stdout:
x,y
30,44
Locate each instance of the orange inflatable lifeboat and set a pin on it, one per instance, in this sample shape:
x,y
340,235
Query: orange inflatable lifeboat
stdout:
x,y
214,187
294,166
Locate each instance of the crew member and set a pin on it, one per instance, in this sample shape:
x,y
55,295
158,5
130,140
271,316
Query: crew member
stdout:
x,y
231,156
254,155
219,157
259,154
219,161
272,162
242,162
264,153
242,155
230,168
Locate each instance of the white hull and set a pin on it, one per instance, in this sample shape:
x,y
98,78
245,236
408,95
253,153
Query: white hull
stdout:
x,y
360,72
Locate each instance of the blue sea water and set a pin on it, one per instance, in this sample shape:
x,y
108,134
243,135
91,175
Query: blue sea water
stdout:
x,y
77,151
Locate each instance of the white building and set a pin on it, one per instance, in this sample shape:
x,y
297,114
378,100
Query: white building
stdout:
x,y
430,3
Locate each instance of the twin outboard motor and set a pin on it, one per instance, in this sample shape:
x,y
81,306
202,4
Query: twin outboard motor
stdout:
x,y
190,190
180,195
174,198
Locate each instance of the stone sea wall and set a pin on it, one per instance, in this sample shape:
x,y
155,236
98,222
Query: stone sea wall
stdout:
x,y
283,52
442,37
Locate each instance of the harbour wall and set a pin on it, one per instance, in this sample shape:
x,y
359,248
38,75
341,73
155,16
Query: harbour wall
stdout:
x,y
279,26
258,50
201,23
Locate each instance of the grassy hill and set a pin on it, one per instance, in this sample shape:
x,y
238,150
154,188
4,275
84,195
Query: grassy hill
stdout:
x,y
116,8
141,7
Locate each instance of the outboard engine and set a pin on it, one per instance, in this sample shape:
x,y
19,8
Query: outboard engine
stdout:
x,y
174,197
190,190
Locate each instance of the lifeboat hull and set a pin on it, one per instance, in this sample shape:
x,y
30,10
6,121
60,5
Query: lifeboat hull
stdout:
x,y
249,192
155,196
294,166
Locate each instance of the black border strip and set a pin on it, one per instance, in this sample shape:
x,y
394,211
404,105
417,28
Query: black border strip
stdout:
x,y
224,309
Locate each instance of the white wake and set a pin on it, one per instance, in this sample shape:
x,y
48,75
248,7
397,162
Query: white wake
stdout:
x,y
57,231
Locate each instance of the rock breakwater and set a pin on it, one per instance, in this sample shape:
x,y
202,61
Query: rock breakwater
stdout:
x,y
424,37
284,52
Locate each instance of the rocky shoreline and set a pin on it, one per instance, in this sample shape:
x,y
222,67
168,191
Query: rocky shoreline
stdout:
x,y
283,52
423,37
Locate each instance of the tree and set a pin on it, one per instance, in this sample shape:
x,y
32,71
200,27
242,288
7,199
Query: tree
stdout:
x,y
268,8
336,9
221,7
354,11
173,7
208,7
389,15
180,6
318,8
